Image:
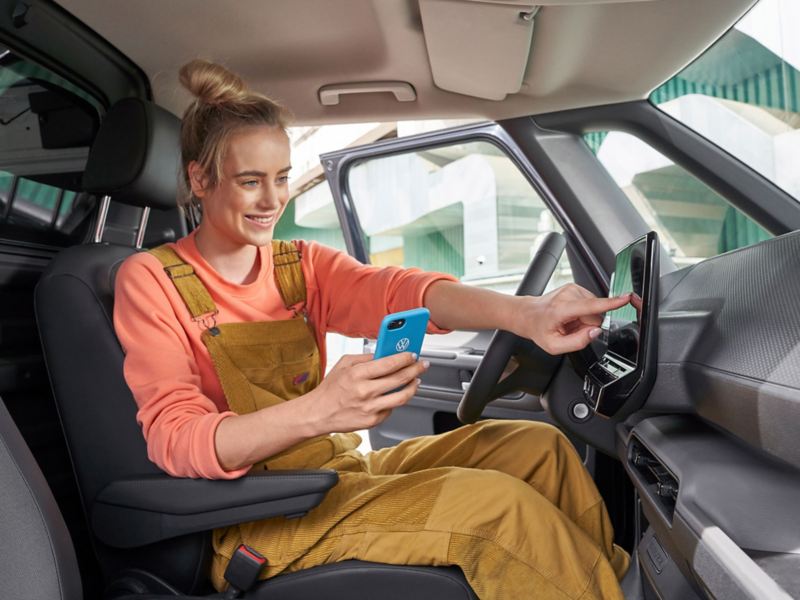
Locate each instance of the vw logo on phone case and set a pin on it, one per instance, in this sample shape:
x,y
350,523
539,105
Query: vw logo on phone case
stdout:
x,y
403,344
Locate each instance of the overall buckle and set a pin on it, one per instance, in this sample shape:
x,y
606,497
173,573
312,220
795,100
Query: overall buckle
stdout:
x,y
208,321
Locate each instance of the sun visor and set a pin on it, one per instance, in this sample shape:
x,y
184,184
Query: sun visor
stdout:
x,y
478,48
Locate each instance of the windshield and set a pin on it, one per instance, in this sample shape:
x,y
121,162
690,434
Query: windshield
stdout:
x,y
743,93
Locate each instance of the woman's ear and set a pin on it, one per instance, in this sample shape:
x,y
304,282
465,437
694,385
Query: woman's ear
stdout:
x,y
197,179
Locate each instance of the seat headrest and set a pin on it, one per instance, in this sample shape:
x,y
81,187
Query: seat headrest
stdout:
x,y
135,157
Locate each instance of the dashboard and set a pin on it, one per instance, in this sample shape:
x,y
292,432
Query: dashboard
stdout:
x,y
712,450
699,398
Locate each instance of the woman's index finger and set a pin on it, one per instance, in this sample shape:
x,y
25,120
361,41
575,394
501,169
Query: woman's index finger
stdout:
x,y
595,306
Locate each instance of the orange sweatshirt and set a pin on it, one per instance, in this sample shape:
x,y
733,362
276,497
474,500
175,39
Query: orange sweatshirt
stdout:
x,y
170,371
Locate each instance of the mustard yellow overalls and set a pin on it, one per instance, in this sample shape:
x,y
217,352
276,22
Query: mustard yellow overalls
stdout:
x,y
510,502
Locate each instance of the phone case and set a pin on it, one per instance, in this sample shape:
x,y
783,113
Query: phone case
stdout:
x,y
405,338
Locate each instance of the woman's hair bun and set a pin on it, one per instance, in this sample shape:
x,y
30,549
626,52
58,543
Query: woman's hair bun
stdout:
x,y
223,104
211,83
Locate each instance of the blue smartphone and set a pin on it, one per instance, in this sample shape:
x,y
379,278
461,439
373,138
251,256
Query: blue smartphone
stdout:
x,y
402,332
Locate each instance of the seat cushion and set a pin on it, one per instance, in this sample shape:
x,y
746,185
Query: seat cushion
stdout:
x,y
357,580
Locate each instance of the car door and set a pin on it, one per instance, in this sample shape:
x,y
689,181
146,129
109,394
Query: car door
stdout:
x,y
462,201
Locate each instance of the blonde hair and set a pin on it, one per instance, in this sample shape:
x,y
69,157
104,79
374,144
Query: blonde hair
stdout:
x,y
223,104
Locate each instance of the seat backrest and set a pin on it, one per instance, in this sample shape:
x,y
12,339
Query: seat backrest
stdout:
x,y
135,160
37,559
74,310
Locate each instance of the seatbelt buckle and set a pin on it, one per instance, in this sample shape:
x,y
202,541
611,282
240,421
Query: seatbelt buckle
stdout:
x,y
243,570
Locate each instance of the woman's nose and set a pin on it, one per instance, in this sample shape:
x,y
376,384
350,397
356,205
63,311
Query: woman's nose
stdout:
x,y
270,197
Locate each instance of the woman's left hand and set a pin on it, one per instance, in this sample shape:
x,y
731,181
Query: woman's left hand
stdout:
x,y
564,320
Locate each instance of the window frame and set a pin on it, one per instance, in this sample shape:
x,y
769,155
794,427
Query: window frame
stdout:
x,y
337,166
57,41
747,190
40,238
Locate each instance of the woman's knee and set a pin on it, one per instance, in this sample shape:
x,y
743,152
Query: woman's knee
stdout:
x,y
524,434
493,505
487,493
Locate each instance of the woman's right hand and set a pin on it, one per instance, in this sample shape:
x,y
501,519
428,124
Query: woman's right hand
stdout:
x,y
358,392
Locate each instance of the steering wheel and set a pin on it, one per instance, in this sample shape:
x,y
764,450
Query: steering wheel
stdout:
x,y
485,385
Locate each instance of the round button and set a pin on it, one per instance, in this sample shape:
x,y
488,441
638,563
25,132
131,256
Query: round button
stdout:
x,y
580,411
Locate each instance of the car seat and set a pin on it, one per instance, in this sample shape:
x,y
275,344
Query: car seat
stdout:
x,y
144,523
37,560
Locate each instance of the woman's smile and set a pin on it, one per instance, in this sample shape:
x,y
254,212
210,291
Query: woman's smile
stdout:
x,y
261,221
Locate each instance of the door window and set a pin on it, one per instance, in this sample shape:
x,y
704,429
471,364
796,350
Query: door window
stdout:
x,y
463,209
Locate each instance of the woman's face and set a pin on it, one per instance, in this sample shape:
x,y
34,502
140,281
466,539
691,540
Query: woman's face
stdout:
x,y
244,206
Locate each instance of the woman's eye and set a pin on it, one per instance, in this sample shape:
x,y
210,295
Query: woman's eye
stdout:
x,y
250,182
283,179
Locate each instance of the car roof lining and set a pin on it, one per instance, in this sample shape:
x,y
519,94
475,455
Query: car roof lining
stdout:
x,y
583,54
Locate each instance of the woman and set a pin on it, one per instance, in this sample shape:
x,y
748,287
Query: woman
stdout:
x,y
222,328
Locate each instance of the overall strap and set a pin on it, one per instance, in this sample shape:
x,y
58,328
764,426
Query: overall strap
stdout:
x,y
288,276
192,291
289,273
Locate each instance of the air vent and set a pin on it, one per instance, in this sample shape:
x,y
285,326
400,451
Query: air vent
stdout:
x,y
659,484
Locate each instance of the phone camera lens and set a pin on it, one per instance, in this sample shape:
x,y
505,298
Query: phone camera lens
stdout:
x,y
397,324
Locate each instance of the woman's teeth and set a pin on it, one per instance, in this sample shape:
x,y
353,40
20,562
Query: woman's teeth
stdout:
x,y
260,220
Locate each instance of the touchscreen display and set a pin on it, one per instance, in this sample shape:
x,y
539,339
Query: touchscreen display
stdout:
x,y
621,327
